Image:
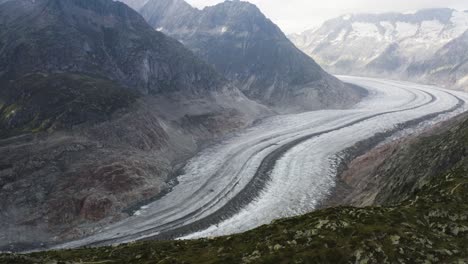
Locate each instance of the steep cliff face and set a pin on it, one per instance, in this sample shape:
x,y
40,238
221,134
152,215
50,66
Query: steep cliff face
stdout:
x,y
397,45
100,38
247,48
96,112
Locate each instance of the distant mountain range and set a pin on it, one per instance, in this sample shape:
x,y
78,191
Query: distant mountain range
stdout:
x,y
419,46
448,66
250,50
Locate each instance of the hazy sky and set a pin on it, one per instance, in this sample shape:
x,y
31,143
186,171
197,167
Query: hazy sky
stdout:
x,y
299,15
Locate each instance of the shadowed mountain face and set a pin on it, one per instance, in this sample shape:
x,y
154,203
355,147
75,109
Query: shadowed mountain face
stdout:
x,y
97,111
410,46
100,38
245,46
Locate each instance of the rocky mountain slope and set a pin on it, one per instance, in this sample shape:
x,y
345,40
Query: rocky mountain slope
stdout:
x,y
449,65
421,188
245,46
396,45
97,109
136,4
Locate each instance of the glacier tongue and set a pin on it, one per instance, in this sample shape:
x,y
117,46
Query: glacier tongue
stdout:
x,y
303,174
306,173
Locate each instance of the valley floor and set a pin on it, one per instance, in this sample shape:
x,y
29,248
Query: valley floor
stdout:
x,y
423,217
283,167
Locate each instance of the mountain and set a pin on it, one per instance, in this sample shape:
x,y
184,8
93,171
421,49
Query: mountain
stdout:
x,y
136,4
97,112
117,44
392,41
448,66
418,214
249,49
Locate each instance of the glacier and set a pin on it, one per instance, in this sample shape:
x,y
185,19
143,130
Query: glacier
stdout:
x,y
218,193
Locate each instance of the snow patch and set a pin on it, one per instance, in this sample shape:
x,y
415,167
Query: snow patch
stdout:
x,y
440,69
387,25
430,29
460,23
86,47
405,30
339,38
463,80
365,30
389,30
